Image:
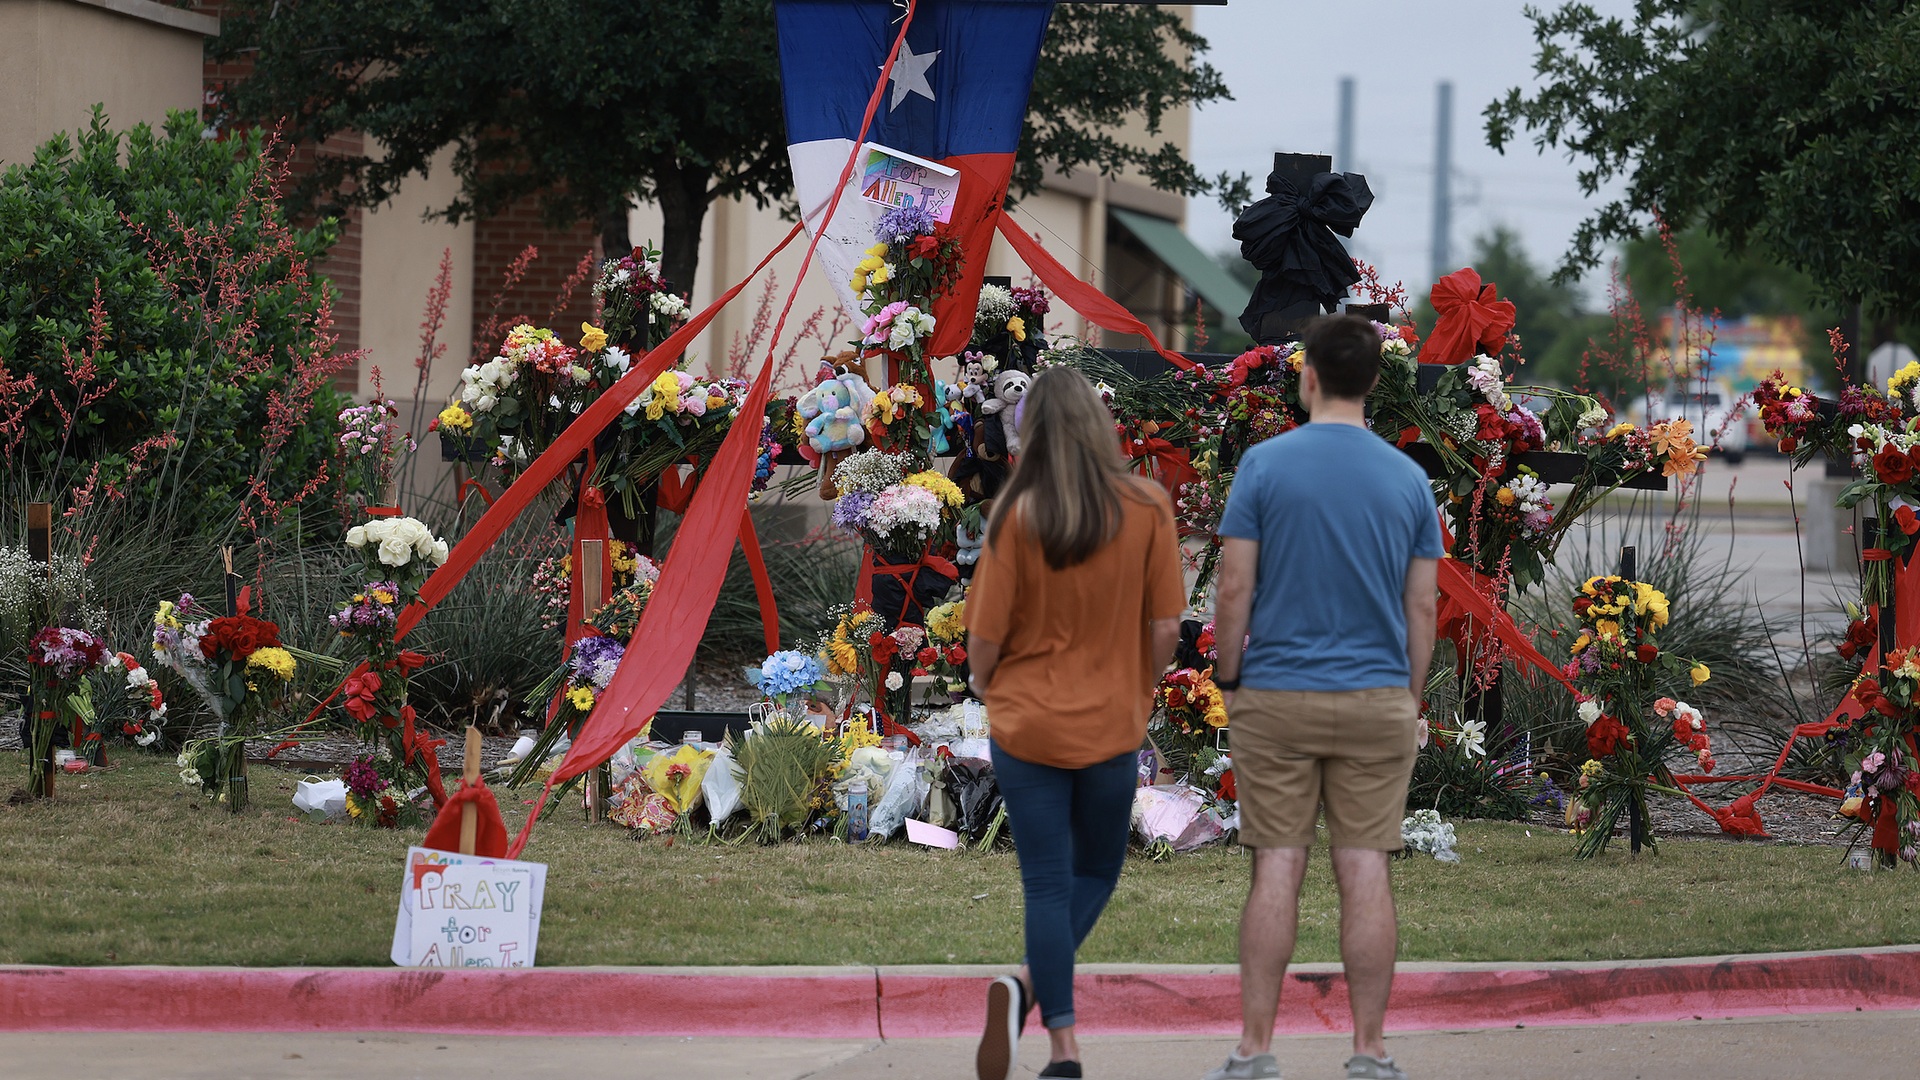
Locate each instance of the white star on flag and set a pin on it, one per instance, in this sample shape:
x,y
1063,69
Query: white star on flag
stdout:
x,y
910,75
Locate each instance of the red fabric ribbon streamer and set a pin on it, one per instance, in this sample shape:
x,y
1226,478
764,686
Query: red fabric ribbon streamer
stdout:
x,y
675,618
676,495
1098,308
490,839
1472,319
1169,463
1467,616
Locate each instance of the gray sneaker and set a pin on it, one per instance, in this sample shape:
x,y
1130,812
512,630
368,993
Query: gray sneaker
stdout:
x,y
1257,1067
1365,1067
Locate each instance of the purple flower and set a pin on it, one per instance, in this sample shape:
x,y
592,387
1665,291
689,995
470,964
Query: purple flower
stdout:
x,y
903,223
850,512
362,779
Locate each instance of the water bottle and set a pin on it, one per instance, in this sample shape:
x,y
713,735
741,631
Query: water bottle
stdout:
x,y
857,810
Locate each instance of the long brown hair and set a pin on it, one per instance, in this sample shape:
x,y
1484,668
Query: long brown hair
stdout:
x,y
1069,479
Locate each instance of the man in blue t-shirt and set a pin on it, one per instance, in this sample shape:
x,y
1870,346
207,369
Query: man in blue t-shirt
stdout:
x,y
1330,549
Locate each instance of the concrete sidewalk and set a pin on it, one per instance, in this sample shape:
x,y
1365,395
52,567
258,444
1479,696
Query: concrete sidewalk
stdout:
x,y
1857,1046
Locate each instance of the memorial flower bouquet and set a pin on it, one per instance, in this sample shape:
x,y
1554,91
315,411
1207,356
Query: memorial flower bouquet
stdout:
x,y
370,446
237,664
59,659
1630,737
899,514
637,307
1883,791
148,706
1189,712
944,656
397,554
786,673
914,261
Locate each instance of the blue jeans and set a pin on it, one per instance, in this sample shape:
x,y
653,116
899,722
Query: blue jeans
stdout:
x,y
1070,826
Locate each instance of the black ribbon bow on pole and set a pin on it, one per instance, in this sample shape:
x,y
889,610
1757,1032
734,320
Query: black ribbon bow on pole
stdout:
x,y
1289,237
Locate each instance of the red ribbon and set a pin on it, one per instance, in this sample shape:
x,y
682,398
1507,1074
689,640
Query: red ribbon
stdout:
x,y
382,511
476,486
676,615
1098,308
490,837
1169,464
677,495
1472,318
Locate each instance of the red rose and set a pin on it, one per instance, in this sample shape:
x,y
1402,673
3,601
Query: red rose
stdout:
x,y
1581,604
1788,444
1892,466
1868,694
1647,654
1903,516
1229,789
924,246
927,655
1604,736
956,655
919,671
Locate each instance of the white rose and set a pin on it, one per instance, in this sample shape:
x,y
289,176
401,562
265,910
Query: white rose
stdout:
x,y
616,358
395,551
439,553
357,536
1589,712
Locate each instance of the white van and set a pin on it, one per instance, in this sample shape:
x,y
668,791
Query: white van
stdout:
x,y
1719,419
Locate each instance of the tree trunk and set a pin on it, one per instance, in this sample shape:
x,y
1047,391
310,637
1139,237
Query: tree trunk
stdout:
x,y
615,241
683,212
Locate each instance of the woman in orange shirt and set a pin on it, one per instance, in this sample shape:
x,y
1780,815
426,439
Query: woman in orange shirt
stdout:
x,y
1074,613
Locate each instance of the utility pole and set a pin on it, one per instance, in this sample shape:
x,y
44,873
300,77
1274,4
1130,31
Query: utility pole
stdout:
x,y
1343,144
1442,252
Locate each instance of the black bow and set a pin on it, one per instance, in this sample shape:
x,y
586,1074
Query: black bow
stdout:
x,y
1290,238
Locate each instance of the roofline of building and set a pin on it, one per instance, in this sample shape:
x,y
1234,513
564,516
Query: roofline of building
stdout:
x,y
193,22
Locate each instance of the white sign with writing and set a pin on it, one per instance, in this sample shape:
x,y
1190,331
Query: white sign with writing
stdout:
x,y
468,912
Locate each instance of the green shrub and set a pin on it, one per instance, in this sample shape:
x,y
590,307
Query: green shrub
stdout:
x,y
163,260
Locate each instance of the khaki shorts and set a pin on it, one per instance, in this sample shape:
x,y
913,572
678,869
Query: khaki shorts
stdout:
x,y
1351,751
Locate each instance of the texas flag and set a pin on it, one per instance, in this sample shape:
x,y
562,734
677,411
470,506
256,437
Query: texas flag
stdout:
x,y
944,135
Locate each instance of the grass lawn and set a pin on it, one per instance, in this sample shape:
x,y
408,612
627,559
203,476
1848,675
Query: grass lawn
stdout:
x,y
126,868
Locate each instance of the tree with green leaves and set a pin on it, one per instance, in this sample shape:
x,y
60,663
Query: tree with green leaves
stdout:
x,y
1784,128
590,104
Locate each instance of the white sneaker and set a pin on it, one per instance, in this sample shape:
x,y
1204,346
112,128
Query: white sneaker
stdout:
x,y
1257,1067
1367,1067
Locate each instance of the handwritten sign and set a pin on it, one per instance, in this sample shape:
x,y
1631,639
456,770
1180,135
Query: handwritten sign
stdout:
x,y
468,912
891,179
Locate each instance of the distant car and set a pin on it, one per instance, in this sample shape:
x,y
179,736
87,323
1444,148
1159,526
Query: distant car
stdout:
x,y
1719,420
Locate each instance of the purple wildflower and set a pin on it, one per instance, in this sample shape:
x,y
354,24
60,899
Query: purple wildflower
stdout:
x,y
903,223
850,512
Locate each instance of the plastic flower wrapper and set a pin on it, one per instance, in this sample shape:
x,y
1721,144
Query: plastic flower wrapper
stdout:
x,y
677,776
870,764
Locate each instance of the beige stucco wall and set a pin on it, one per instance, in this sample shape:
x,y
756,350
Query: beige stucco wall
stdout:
x,y
399,259
59,57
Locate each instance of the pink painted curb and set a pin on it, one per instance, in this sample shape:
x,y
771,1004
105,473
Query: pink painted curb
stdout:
x,y
921,1002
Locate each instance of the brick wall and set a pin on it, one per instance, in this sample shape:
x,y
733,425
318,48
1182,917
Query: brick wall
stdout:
x,y
341,269
498,240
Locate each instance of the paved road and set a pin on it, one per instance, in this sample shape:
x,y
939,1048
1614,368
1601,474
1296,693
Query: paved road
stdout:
x,y
1857,1046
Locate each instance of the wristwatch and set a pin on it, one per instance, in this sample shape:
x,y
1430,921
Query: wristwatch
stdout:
x,y
1227,684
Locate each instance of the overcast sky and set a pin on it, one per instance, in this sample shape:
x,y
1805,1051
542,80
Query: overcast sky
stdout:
x,y
1283,61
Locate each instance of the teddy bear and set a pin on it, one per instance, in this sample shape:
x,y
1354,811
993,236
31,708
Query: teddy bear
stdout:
x,y
1000,414
832,412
